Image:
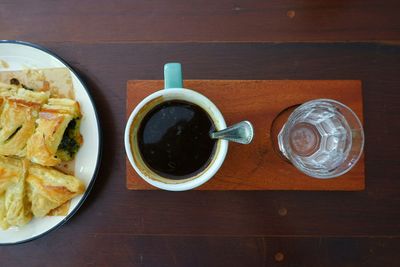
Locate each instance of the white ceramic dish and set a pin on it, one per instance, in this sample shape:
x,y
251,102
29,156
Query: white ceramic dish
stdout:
x,y
22,55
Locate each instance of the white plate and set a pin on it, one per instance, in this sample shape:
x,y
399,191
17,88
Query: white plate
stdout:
x,y
21,55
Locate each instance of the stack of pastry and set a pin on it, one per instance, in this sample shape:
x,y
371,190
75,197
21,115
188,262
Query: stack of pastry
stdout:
x,y
37,132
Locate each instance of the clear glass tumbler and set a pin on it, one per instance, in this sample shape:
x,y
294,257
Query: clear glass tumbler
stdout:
x,y
322,138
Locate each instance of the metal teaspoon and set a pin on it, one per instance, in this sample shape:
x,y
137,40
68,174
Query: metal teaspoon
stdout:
x,y
241,132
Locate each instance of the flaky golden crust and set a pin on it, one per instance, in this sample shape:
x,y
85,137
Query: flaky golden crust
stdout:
x,y
42,145
54,118
33,190
14,205
50,188
32,126
12,189
10,171
17,121
3,213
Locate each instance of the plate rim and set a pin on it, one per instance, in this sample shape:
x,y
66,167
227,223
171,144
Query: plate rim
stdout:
x,y
100,143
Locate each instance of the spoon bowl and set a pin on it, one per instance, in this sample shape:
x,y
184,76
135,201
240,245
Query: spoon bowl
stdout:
x,y
241,133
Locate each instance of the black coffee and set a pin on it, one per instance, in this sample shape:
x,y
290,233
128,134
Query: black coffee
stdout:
x,y
174,139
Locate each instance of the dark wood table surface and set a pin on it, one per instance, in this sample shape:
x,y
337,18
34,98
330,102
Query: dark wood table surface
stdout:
x,y
110,42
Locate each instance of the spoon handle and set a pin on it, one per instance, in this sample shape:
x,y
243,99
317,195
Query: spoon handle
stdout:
x,y
241,132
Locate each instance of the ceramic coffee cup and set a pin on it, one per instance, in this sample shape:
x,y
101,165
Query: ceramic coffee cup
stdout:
x,y
173,91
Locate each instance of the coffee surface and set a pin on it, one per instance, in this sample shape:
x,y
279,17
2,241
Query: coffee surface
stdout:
x,y
174,139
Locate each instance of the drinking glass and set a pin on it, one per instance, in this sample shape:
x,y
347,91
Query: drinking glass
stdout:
x,y
323,138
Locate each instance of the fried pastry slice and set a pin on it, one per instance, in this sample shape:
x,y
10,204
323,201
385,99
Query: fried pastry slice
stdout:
x,y
49,188
54,126
6,91
10,171
61,210
3,213
17,121
15,208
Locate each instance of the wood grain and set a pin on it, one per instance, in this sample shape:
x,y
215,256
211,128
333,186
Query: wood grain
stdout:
x,y
126,250
114,209
200,21
116,226
257,166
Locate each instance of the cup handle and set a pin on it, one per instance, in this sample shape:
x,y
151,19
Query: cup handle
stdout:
x,y
173,75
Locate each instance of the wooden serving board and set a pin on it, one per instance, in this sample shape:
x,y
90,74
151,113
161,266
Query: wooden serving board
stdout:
x,y
257,166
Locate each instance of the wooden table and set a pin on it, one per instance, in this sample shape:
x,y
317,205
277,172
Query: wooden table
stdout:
x,y
109,42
